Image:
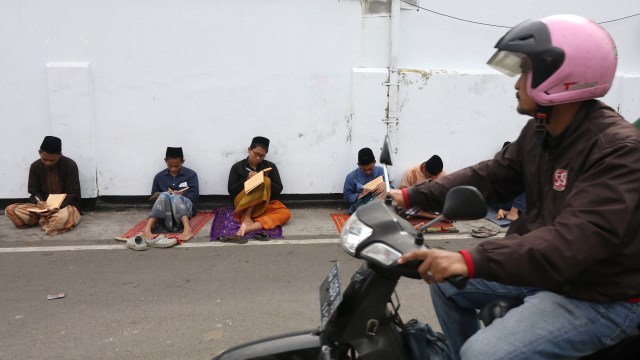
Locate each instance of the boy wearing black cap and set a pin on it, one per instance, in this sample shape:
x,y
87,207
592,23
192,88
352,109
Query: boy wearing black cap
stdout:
x,y
54,173
259,209
178,191
367,170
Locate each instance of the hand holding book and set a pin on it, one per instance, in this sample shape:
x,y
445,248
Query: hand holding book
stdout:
x,y
50,207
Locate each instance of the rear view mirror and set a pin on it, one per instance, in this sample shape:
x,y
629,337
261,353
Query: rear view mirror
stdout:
x,y
464,203
385,155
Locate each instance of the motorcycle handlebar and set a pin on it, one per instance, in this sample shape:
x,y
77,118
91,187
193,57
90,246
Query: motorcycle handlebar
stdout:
x,y
458,281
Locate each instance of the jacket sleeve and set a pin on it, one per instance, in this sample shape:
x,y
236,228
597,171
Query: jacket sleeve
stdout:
x,y
351,189
71,185
589,230
499,179
155,185
237,177
33,186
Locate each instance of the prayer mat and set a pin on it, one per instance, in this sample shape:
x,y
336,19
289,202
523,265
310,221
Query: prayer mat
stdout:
x,y
225,225
491,216
197,223
442,226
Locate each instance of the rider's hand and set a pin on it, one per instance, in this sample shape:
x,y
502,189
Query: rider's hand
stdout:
x,y
396,196
437,265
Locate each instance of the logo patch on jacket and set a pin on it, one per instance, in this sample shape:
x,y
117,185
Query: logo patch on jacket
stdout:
x,y
560,179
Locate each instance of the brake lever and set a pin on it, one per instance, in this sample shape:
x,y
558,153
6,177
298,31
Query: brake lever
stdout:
x,y
458,281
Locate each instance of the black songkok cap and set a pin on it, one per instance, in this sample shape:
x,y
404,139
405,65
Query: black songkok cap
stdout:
x,y
433,165
51,145
260,141
365,156
174,152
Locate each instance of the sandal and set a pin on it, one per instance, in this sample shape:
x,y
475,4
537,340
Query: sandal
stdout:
x,y
481,229
261,237
234,239
484,234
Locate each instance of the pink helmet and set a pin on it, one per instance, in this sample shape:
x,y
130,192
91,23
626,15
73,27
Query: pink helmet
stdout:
x,y
572,58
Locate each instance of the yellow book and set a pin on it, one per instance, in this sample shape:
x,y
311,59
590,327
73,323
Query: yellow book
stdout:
x,y
255,181
373,183
53,201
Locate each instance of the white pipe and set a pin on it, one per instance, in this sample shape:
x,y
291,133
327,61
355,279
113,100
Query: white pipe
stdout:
x,y
392,106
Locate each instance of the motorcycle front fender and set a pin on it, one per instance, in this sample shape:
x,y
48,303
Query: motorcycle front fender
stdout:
x,y
302,345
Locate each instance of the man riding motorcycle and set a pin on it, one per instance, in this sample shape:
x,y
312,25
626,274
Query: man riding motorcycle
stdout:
x,y
572,257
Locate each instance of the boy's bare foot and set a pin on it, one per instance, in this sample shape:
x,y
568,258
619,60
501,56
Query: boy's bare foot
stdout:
x,y
242,230
186,235
147,234
513,214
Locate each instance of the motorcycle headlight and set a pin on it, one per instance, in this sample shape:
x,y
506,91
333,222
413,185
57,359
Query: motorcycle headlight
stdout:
x,y
381,253
353,233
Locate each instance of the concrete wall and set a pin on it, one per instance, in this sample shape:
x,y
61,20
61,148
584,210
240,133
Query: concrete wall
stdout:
x,y
119,81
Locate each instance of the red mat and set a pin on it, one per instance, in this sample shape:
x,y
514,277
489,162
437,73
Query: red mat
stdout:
x,y
197,223
445,227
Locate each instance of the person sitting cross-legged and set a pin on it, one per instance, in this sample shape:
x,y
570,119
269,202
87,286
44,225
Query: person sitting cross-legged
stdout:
x,y
354,190
53,173
177,190
259,209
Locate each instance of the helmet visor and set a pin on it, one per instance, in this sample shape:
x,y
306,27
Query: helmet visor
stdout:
x,y
507,62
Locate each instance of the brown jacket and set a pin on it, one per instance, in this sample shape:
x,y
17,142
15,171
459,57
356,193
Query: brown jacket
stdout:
x,y
69,181
580,233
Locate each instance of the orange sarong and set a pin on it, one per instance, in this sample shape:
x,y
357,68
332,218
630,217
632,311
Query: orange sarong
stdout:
x,y
269,214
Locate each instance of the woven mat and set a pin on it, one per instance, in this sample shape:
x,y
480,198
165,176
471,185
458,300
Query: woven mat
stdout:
x,y
197,223
225,225
491,216
445,227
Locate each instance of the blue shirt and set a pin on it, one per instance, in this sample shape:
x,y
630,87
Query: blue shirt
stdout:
x,y
354,182
164,181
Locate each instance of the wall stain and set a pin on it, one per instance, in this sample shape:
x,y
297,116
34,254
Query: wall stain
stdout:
x,y
424,76
349,119
376,7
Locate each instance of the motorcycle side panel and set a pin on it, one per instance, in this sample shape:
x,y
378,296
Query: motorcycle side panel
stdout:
x,y
303,345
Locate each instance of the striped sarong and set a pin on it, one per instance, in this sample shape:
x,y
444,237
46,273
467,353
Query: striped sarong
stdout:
x,y
62,221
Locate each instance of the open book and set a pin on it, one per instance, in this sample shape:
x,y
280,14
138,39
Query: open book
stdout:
x,y
53,201
255,181
156,194
368,192
372,184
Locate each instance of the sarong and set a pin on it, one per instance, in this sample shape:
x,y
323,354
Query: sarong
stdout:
x,y
62,221
269,214
171,209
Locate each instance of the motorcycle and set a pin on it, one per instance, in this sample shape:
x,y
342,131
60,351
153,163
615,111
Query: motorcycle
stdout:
x,y
364,323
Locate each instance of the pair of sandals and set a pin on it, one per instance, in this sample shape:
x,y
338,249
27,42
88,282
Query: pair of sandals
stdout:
x,y
484,232
237,239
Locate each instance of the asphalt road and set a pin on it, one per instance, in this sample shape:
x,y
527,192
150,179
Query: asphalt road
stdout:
x,y
178,303
186,302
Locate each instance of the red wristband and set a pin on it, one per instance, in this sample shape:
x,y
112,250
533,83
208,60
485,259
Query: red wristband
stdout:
x,y
405,197
469,261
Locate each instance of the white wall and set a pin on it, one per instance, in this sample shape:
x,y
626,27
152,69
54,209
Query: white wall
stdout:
x,y
120,81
